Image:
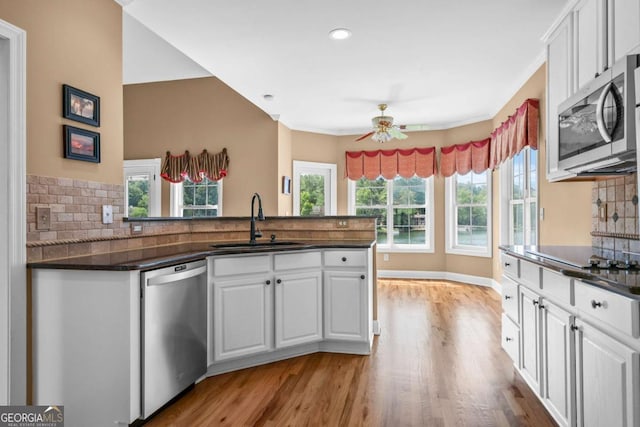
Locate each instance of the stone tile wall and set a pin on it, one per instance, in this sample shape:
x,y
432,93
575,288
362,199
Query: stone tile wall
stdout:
x,y
614,214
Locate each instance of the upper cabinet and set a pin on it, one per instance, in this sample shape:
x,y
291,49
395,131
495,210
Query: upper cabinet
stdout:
x,y
588,37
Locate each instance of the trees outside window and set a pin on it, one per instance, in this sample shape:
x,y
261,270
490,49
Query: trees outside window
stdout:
x,y
196,199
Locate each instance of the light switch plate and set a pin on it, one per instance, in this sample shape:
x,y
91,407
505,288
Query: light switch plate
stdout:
x,y
43,218
107,214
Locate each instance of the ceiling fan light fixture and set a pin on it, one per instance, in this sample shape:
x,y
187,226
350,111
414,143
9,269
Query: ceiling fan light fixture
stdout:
x,y
340,33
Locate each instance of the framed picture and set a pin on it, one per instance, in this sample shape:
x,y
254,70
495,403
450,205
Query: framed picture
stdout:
x,y
80,106
286,185
81,144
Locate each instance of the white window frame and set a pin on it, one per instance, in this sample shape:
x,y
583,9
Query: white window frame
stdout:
x,y
507,203
141,167
451,221
329,170
390,246
176,197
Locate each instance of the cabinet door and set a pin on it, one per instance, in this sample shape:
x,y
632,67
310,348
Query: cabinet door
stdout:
x,y
590,30
559,87
557,356
298,308
625,24
530,337
345,306
243,319
607,378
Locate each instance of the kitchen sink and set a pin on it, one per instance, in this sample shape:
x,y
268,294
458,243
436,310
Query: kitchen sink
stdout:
x,y
257,245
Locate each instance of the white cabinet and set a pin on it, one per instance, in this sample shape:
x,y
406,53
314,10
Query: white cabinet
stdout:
x,y
86,344
530,337
556,362
625,21
591,40
298,308
242,316
345,300
608,381
559,87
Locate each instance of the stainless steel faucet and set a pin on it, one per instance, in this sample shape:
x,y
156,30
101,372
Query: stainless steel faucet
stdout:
x,y
253,232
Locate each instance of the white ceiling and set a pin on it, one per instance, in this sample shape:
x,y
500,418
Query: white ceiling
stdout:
x,y
440,63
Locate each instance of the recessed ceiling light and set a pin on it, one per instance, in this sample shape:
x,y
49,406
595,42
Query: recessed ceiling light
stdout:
x,y
268,97
340,33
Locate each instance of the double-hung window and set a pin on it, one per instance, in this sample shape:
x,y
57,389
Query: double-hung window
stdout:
x,y
196,199
521,183
403,207
468,214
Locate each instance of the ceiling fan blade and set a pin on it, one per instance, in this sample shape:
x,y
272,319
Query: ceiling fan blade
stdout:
x,y
366,135
395,132
414,128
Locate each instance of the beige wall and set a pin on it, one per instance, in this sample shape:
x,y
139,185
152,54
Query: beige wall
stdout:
x,y
205,113
79,43
285,168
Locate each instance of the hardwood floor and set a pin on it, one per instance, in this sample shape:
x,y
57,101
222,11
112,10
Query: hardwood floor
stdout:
x,y
438,362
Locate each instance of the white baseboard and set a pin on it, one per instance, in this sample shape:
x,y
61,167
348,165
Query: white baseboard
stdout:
x,y
441,275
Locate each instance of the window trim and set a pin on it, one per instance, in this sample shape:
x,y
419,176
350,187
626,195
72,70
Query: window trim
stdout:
x,y
428,247
450,221
176,196
330,169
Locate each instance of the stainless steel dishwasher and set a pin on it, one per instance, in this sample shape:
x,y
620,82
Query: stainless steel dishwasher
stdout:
x,y
174,332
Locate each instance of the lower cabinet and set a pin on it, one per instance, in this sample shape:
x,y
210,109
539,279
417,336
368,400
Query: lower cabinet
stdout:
x,y
530,337
345,301
242,316
298,308
607,388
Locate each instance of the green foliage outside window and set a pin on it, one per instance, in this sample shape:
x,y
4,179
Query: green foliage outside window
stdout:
x,y
138,192
311,195
199,199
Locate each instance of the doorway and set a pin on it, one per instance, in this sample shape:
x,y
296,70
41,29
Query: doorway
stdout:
x,y
13,233
314,188
142,194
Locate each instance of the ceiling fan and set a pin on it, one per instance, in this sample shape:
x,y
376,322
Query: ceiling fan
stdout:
x,y
383,128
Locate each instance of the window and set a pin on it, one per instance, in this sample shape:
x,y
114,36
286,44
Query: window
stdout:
x,y
196,199
404,208
522,195
314,188
142,188
468,214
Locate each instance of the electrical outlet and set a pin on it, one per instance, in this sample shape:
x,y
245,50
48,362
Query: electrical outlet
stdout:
x,y
107,214
136,228
342,223
385,257
43,218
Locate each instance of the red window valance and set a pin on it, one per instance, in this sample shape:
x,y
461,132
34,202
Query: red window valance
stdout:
x,y
462,158
515,133
391,163
177,168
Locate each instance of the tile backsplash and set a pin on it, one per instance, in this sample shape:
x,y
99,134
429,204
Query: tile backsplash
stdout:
x,y
614,214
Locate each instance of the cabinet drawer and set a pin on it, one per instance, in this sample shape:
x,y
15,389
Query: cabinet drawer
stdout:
x,y
297,260
345,258
612,309
511,339
510,298
241,265
558,287
530,274
510,266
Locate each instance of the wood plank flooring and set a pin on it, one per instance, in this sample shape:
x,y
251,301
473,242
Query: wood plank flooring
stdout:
x,y
438,362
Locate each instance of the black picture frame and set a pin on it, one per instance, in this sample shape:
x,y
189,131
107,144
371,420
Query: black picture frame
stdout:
x,y
81,144
286,185
80,106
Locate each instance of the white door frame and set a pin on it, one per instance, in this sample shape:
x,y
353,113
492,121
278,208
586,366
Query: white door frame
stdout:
x,y
298,167
143,166
13,253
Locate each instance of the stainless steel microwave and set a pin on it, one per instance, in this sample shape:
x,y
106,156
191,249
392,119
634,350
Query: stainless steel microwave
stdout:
x,y
596,126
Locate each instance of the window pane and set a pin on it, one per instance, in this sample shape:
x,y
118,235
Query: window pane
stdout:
x,y
533,240
212,194
463,189
479,236
381,215
518,176
464,215
409,226
479,216
408,191
533,173
311,195
138,195
371,193
200,199
518,224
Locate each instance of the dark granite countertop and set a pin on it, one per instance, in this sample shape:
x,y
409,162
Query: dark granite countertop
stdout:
x,y
572,261
162,256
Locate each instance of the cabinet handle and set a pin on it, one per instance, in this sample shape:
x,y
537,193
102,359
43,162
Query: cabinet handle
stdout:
x,y
278,281
268,282
597,75
362,276
536,302
507,297
541,307
506,264
574,328
344,259
595,304
507,339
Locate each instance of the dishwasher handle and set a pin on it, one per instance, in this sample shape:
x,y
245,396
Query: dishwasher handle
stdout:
x,y
173,277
